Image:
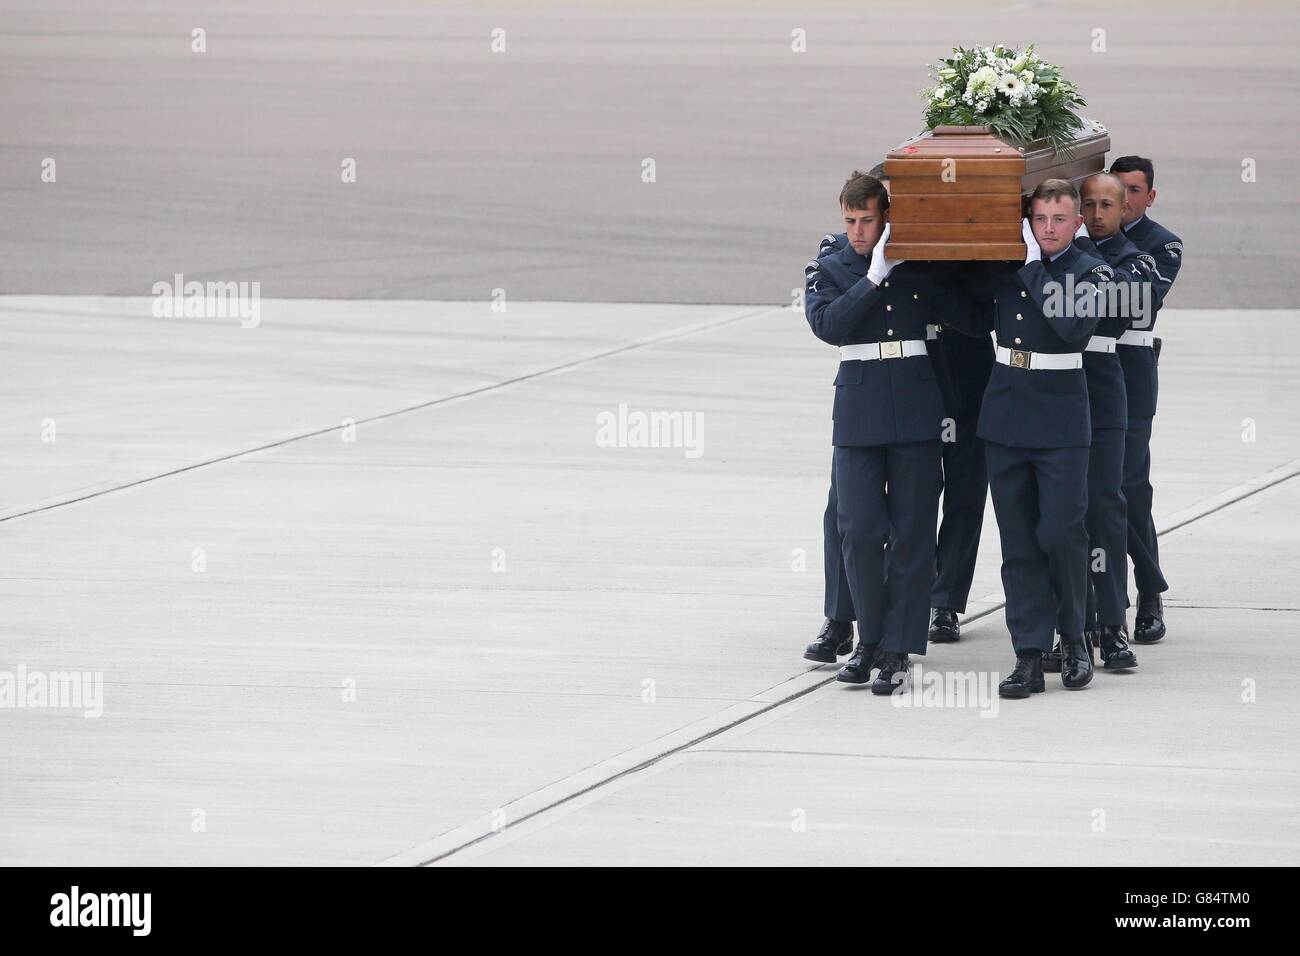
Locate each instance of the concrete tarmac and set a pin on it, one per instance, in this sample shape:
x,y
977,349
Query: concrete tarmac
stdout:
x,y
471,631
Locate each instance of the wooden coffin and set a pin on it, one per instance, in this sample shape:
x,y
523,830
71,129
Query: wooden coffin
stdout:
x,y
958,192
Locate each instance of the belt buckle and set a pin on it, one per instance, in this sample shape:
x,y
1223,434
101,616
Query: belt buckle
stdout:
x,y
1019,358
890,350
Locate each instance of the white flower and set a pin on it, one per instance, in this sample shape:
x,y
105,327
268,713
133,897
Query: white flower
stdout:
x,y
1011,85
982,79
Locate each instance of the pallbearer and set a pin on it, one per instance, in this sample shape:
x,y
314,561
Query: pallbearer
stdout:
x,y
887,420
961,364
1036,429
1138,351
1100,236
836,636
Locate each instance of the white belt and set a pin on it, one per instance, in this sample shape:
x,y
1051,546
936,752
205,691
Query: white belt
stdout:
x,y
882,350
1022,358
1100,343
1133,337
931,332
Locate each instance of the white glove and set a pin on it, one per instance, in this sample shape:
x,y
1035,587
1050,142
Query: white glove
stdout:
x,y
881,266
1081,232
1032,252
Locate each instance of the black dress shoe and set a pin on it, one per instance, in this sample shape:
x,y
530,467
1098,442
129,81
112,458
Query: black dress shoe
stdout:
x,y
895,670
944,628
858,668
1076,662
1116,655
1026,679
1052,659
835,638
1093,637
1149,626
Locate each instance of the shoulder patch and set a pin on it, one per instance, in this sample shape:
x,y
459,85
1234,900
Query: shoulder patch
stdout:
x,y
1175,249
1148,260
828,245
1103,270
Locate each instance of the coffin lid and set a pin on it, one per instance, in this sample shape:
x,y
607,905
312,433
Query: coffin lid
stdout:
x,y
979,142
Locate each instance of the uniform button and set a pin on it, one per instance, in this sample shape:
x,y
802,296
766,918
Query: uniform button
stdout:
x,y
916,295
886,283
1023,293
889,308
889,331
1019,317
1017,341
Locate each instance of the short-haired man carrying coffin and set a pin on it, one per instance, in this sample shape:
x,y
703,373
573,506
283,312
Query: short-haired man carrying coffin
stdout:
x,y
1103,205
1036,429
962,364
888,418
1139,348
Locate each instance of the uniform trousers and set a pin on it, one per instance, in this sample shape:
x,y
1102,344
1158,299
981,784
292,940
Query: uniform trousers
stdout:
x,y
1107,525
1142,545
1040,498
965,491
887,499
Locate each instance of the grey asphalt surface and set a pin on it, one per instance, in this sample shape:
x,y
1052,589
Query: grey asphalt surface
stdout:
x,y
521,170
500,590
